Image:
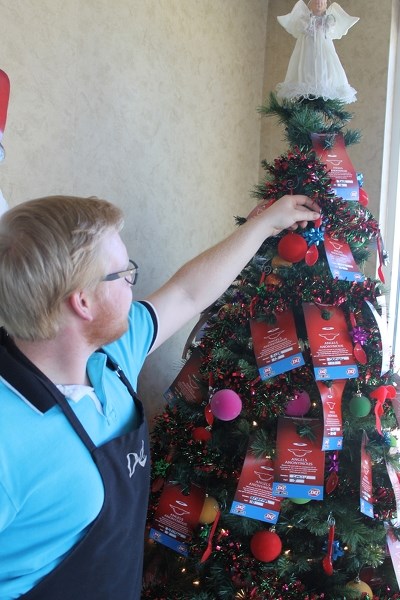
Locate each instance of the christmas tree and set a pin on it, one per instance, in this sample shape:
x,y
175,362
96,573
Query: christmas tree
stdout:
x,y
275,461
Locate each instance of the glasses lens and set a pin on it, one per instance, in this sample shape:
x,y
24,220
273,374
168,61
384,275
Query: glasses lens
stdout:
x,y
131,278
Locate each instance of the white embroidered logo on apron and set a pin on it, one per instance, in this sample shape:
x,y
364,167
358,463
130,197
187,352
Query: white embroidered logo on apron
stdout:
x,y
134,459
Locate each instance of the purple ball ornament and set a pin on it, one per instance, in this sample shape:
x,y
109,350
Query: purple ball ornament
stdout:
x,y
226,405
299,405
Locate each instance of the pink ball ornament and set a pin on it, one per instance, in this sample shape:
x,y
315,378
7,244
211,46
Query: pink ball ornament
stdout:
x,y
226,405
299,405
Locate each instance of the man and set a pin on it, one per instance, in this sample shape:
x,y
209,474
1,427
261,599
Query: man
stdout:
x,y
74,455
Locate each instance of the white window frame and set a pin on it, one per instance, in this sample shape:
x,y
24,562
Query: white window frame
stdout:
x,y
390,191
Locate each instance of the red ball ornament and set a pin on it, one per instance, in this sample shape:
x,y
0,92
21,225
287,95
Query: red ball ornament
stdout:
x,y
226,405
363,197
201,434
292,247
265,546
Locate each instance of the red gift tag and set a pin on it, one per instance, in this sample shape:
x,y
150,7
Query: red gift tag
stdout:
x,y
188,384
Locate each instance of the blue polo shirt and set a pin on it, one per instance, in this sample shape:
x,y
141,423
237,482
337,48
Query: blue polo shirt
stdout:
x,y
50,489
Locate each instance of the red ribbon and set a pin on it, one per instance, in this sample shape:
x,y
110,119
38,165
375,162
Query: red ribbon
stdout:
x,y
382,393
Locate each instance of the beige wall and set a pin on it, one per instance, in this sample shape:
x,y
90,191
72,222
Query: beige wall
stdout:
x,y
150,103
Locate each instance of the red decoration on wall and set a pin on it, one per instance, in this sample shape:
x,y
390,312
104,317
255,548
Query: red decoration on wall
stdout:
x,y
4,97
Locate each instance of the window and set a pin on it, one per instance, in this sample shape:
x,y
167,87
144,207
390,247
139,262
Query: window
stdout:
x,y
390,193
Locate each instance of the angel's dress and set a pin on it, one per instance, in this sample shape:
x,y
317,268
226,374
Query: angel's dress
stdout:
x,y
314,68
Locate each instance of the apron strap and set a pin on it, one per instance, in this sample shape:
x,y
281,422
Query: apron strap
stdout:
x,y
111,364
33,385
40,391
23,375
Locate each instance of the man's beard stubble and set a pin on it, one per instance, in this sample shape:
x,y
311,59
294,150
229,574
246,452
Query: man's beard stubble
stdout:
x,y
107,327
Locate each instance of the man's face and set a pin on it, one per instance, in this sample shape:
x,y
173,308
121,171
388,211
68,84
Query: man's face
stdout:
x,y
112,298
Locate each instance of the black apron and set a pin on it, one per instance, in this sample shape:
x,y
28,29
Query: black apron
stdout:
x,y
107,563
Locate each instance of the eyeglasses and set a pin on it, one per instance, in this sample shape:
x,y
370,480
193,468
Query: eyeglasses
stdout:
x,y
130,275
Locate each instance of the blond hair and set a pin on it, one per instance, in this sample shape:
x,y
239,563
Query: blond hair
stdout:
x,y
49,247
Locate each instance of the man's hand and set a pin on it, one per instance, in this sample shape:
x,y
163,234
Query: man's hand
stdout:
x,y
290,212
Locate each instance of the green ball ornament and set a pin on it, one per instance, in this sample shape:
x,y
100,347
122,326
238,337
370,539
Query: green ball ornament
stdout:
x,y
299,500
360,406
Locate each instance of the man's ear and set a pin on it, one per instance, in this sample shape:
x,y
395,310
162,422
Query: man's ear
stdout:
x,y
81,304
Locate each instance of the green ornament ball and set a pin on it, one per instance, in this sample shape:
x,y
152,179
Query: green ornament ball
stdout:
x,y
299,500
360,406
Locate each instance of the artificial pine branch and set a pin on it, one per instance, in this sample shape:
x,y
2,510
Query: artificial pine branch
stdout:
x,y
310,115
